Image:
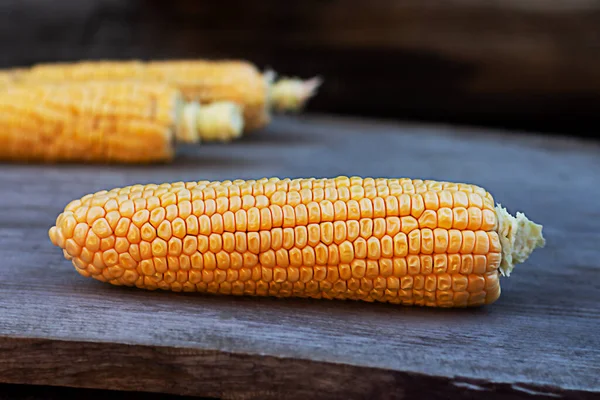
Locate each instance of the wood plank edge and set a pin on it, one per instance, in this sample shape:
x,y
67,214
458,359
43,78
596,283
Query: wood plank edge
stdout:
x,y
213,373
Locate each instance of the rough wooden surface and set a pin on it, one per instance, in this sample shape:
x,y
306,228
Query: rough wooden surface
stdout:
x,y
541,336
512,62
40,392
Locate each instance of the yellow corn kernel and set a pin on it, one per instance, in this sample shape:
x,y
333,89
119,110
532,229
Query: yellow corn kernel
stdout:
x,y
412,257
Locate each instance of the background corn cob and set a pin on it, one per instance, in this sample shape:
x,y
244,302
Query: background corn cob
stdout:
x,y
402,241
109,121
199,80
6,79
9,77
83,71
208,81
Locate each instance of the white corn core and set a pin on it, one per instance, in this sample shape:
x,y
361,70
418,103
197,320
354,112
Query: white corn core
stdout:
x,y
291,94
186,131
519,237
220,121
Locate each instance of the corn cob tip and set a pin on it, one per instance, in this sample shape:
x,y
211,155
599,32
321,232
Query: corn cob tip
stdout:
x,y
269,76
220,121
291,94
519,238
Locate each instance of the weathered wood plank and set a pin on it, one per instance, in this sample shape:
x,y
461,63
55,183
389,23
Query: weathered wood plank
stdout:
x,y
525,63
538,336
236,376
43,392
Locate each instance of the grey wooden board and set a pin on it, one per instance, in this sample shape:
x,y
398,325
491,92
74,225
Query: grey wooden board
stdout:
x,y
542,335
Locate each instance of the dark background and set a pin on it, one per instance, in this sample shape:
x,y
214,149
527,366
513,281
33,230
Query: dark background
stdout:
x,y
524,64
519,64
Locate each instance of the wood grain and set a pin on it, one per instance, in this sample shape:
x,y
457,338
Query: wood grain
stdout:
x,y
62,329
224,375
514,63
44,392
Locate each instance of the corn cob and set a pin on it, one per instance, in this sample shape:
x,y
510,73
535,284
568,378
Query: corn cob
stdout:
x,y
402,241
5,79
105,122
9,77
199,80
84,71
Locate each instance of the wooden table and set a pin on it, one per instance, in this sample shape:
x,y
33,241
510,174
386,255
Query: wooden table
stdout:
x,y
542,336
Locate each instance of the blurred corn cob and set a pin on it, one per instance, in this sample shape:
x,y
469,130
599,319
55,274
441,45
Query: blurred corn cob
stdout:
x,y
5,79
199,80
402,241
9,77
106,122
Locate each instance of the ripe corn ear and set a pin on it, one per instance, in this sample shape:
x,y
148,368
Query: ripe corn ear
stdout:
x,y
106,122
205,81
402,241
